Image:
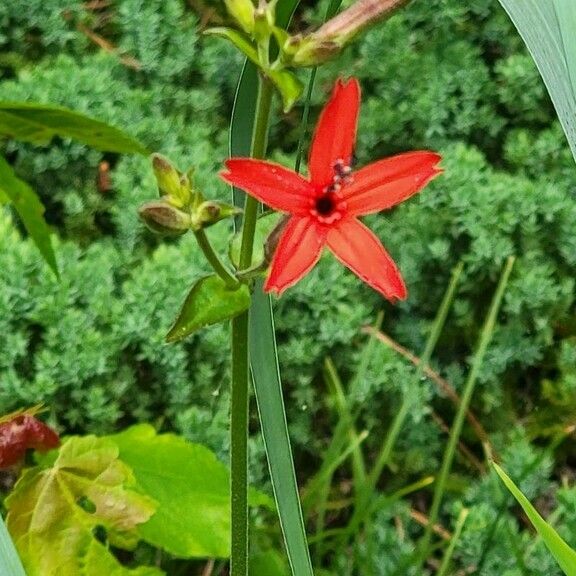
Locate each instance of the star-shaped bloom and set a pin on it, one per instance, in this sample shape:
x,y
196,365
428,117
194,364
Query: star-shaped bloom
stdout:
x,y
324,208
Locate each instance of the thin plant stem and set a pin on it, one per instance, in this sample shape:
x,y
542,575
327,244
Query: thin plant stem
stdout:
x,y
258,150
440,320
214,260
440,485
443,570
330,12
362,507
304,121
241,362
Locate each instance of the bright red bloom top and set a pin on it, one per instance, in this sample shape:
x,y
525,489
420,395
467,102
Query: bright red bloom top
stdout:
x,y
325,207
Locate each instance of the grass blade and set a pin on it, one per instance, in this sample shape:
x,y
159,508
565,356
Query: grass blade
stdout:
x,y
268,389
10,564
564,555
443,570
485,339
548,27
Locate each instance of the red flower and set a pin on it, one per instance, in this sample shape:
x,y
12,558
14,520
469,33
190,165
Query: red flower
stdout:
x,y
325,207
21,431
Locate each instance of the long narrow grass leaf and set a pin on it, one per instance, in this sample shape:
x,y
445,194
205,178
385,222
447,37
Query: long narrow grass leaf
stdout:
x,y
362,507
10,564
564,555
391,437
443,570
275,433
549,35
566,12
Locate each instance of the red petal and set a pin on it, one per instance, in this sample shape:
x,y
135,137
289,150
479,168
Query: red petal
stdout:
x,y
388,182
276,186
335,132
359,249
298,249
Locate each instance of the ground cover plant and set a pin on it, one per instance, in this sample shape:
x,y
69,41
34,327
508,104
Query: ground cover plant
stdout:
x,y
394,411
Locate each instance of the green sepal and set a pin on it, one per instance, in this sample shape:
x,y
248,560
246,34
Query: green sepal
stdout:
x,y
210,301
288,85
172,184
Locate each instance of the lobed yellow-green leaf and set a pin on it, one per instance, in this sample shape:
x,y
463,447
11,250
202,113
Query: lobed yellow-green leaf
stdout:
x,y
56,507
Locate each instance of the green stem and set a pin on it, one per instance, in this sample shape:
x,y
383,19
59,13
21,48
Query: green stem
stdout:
x,y
240,361
258,150
214,260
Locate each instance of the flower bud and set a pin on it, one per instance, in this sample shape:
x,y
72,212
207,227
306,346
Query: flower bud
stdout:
x,y
210,212
243,12
264,18
170,181
329,39
165,219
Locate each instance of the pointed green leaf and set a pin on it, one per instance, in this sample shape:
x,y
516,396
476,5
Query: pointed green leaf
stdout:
x,y
39,123
548,29
564,555
56,506
30,209
239,39
210,301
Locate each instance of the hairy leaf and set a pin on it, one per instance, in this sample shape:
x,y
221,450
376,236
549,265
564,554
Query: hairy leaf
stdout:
x,y
210,301
57,506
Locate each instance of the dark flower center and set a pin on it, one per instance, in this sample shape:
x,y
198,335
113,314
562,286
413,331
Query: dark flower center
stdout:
x,y
325,204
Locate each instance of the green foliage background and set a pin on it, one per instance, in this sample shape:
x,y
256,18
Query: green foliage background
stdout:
x,y
445,75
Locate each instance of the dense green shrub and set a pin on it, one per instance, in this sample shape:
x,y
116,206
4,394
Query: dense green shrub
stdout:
x,y
443,74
